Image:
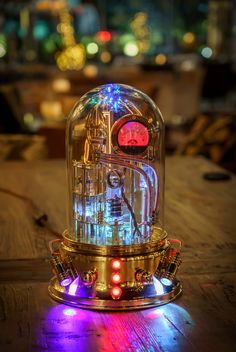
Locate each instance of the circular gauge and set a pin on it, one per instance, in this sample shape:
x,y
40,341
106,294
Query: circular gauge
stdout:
x,y
133,137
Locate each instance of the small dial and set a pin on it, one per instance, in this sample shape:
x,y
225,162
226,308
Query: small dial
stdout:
x,y
133,137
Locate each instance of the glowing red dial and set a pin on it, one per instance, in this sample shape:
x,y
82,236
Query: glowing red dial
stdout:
x,y
133,134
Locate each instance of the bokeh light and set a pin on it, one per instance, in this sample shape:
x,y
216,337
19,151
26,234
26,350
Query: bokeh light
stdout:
x,y
189,38
3,45
206,52
71,58
2,50
61,85
104,36
92,48
105,57
131,49
160,59
90,71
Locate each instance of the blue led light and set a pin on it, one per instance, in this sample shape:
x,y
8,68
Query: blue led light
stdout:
x,y
166,282
110,97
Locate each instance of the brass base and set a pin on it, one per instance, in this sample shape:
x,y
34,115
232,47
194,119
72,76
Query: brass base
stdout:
x,y
92,271
60,295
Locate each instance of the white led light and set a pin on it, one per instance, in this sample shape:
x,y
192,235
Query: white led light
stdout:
x,y
166,282
158,286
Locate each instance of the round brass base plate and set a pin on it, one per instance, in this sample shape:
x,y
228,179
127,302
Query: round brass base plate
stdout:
x,y
59,294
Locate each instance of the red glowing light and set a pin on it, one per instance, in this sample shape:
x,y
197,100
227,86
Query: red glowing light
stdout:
x,y
116,292
116,278
133,133
116,264
172,253
104,36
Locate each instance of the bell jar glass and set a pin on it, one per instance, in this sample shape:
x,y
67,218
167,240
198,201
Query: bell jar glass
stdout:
x,y
115,166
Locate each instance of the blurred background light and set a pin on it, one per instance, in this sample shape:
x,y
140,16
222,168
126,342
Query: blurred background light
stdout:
x,y
92,48
105,57
41,29
104,36
2,50
160,59
90,71
131,49
206,52
189,38
61,85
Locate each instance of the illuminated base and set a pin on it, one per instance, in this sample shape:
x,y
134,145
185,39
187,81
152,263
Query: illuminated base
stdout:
x,y
93,285
97,303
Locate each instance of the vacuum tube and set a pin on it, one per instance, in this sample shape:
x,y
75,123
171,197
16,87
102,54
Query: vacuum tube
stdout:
x,y
115,253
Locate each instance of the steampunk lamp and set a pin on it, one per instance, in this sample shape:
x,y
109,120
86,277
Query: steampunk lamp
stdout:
x,y
115,253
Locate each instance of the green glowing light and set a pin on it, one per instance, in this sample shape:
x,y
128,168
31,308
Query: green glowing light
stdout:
x,y
92,48
131,49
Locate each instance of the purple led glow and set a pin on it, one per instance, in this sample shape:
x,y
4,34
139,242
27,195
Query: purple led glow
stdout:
x,y
65,282
69,312
73,287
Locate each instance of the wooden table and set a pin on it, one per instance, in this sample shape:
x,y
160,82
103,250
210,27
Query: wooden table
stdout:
x,y
199,212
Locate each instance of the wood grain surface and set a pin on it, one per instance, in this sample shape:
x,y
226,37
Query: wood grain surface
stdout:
x,y
199,212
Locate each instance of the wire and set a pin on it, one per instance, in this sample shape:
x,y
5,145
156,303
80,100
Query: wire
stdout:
x,y
177,242
138,160
50,245
40,218
17,195
116,161
131,212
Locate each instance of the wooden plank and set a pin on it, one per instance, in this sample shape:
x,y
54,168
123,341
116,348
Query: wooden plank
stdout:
x,y
203,319
197,211
200,212
44,183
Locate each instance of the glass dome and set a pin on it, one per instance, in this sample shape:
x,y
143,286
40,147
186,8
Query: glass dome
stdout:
x,y
115,164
